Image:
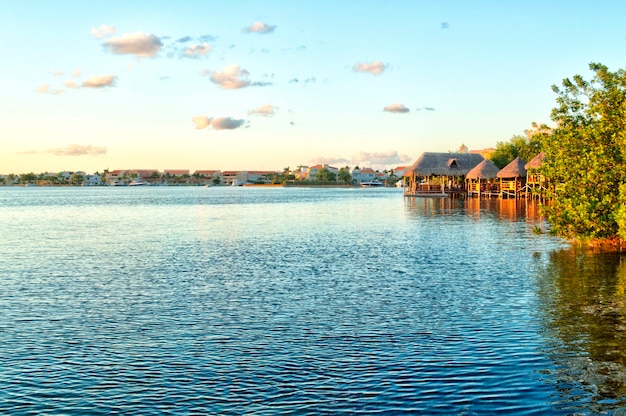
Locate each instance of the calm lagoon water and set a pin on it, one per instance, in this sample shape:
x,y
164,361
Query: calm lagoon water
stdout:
x,y
178,300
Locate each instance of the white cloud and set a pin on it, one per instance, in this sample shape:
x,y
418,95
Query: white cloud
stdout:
x,y
195,51
100,81
380,158
231,77
57,72
396,108
375,68
226,123
77,73
79,150
218,123
43,89
266,110
142,45
71,84
201,122
320,160
259,27
102,31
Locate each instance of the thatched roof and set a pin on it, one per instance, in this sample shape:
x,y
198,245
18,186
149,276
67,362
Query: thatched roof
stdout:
x,y
444,164
484,170
535,162
515,169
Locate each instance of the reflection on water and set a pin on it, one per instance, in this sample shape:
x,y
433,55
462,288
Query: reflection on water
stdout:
x,y
583,298
504,209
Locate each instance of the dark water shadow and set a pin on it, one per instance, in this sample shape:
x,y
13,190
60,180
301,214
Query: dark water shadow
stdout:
x,y
582,304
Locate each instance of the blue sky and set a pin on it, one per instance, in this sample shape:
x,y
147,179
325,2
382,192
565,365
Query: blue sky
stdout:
x,y
262,85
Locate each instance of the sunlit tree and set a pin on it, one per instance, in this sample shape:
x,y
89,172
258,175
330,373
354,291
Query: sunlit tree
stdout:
x,y
584,156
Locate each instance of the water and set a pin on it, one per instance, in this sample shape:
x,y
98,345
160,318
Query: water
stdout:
x,y
177,300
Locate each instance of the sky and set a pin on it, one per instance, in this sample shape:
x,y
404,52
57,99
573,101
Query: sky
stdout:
x,y
265,85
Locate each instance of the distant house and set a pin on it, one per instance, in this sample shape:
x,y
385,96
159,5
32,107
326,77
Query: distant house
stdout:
x,y
176,175
234,177
312,171
92,180
207,177
535,181
363,175
440,173
260,176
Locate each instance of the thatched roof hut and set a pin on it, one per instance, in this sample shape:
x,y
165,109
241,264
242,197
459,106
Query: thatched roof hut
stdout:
x,y
535,162
515,169
444,164
484,170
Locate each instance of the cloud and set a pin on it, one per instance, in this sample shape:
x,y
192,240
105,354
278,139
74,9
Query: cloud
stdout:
x,y
218,123
330,161
103,31
43,89
71,84
380,158
100,81
266,110
184,39
396,108
142,45
375,68
231,77
260,28
196,51
445,25
425,109
77,73
72,150
226,123
79,150
57,72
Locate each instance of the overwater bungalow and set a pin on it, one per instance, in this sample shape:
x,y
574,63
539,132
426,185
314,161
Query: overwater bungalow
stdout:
x,y
535,181
512,179
439,174
482,180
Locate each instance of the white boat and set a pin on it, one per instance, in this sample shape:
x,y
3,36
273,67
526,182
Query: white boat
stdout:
x,y
371,184
236,183
137,182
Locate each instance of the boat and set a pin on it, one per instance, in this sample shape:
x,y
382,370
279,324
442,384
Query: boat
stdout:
x,y
371,184
137,182
236,183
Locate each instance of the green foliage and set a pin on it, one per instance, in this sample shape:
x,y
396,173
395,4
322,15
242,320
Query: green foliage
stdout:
x,y
584,157
325,175
344,175
517,146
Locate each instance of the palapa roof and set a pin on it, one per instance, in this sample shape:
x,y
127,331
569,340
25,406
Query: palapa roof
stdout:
x,y
515,169
484,170
535,162
444,164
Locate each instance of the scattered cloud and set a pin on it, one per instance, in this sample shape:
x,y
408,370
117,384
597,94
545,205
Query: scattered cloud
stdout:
x,y
77,73
425,109
142,45
71,84
330,161
375,68
231,77
396,108
185,39
311,80
260,28
103,31
266,110
226,123
201,122
218,123
380,158
445,25
72,150
100,81
79,150
43,89
57,72
196,51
